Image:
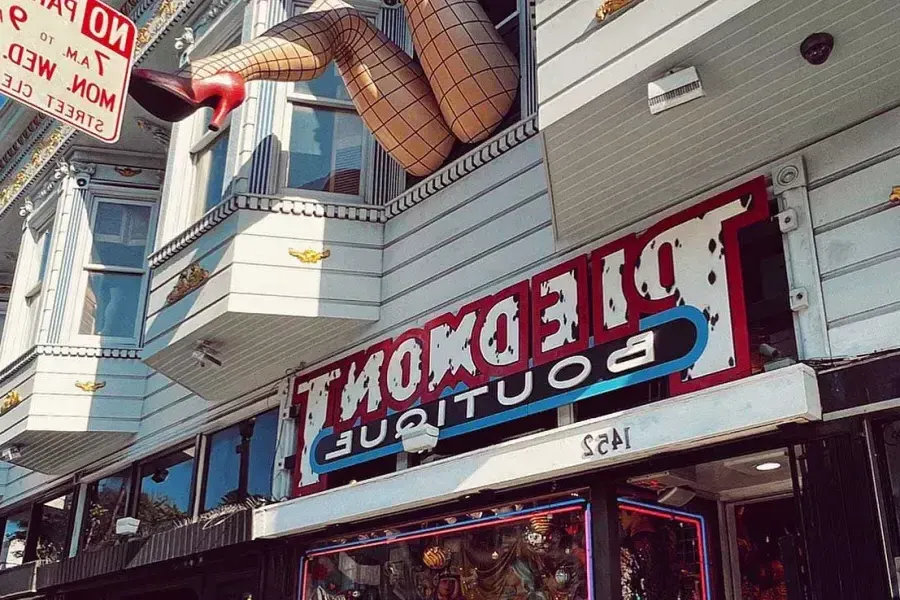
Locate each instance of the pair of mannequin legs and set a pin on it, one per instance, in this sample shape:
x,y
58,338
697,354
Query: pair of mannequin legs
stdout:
x,y
463,86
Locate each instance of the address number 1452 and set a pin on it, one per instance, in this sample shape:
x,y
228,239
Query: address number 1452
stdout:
x,y
609,441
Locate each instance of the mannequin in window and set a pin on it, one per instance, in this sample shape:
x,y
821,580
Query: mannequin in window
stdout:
x,y
464,86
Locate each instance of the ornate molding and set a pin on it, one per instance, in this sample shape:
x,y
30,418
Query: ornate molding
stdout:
x,y
128,172
15,148
185,41
309,256
159,133
44,151
189,280
157,24
87,351
490,150
302,208
10,401
90,386
895,194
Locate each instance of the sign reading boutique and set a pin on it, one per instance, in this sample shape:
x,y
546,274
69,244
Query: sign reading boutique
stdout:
x,y
668,302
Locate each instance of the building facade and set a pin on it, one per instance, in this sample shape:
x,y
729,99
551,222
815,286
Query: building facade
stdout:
x,y
639,342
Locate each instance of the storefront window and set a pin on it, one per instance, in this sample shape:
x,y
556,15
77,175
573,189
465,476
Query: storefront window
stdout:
x,y
107,501
240,461
12,551
513,554
53,532
663,553
165,494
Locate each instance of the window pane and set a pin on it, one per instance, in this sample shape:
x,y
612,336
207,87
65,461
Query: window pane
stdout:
x,y
223,468
45,254
54,528
262,454
120,234
107,501
12,551
328,85
326,150
216,155
165,491
110,304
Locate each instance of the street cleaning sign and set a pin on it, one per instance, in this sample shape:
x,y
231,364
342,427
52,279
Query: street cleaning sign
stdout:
x,y
69,59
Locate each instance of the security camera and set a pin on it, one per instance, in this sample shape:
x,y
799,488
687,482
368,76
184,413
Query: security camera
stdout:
x,y
82,180
817,48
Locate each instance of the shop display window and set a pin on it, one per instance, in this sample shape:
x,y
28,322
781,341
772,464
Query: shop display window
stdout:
x,y
663,553
508,553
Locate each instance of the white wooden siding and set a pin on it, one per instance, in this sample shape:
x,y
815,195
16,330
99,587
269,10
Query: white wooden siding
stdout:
x,y
857,232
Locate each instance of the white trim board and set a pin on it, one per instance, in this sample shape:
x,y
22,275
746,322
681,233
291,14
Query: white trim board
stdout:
x,y
726,412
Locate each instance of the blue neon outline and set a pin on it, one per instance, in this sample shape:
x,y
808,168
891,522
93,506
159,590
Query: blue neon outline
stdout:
x,y
418,532
689,313
680,513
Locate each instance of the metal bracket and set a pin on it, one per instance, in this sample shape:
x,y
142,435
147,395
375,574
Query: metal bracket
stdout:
x,y
799,299
787,220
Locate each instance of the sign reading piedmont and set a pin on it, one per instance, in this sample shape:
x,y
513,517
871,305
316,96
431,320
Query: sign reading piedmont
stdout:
x,y
668,302
69,59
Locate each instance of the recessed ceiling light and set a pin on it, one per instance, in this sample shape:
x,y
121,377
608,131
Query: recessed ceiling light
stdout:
x,y
768,466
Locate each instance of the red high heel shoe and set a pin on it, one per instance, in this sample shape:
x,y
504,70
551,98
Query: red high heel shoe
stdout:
x,y
173,98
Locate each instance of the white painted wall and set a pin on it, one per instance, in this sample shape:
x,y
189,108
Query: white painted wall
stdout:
x,y
652,30
857,234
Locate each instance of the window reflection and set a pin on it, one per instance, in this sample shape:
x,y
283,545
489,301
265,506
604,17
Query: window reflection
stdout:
x,y
245,450
165,493
107,501
110,304
214,166
325,150
53,532
120,234
541,556
12,550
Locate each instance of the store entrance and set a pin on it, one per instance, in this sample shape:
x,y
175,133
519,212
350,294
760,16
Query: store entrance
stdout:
x,y
722,530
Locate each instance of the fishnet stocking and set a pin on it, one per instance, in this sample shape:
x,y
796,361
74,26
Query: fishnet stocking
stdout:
x,y
468,77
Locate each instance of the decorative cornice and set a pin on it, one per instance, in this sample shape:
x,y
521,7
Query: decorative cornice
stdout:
x,y
167,13
13,151
87,351
44,151
305,208
477,158
159,133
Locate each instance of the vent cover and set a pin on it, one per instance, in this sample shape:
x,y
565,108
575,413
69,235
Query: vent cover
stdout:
x,y
674,89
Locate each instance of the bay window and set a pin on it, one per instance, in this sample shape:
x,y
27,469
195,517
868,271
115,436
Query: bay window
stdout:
x,y
326,149
115,268
209,149
209,156
42,240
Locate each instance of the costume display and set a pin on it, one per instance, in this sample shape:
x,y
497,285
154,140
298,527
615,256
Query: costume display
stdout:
x,y
543,559
461,87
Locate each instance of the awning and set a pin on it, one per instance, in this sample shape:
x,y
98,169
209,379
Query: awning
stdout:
x,y
750,406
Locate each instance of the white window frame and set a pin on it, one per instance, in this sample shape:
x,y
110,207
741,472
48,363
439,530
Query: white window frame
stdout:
x,y
135,198
200,173
34,293
222,36
289,98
